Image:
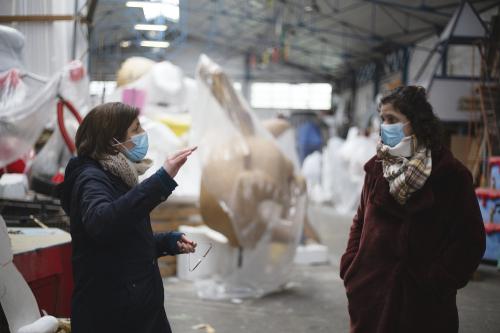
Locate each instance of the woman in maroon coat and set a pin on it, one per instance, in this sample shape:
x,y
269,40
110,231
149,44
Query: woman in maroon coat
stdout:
x,y
418,234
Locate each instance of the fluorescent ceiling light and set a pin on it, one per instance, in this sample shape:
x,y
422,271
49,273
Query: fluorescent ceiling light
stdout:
x,y
155,43
151,27
125,43
142,4
166,8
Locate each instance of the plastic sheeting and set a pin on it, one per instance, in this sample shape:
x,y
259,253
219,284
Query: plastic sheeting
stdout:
x,y
163,88
23,120
312,171
336,175
12,89
163,142
22,123
56,154
164,93
11,48
249,190
48,44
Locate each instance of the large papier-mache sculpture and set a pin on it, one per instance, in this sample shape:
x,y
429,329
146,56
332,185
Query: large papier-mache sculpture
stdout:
x,y
249,189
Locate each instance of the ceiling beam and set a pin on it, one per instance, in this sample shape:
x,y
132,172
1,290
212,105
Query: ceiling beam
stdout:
x,y
455,4
437,25
91,11
413,32
422,8
35,18
360,32
393,19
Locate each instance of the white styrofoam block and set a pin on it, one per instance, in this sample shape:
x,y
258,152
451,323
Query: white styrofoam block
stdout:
x,y
18,302
13,186
311,254
218,261
5,244
46,324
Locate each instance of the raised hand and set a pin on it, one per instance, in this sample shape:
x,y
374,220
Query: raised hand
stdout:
x,y
173,163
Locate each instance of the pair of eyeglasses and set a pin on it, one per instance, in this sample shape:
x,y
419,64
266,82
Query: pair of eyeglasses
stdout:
x,y
198,262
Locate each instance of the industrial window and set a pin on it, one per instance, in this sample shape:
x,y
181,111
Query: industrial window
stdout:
x,y
166,8
303,96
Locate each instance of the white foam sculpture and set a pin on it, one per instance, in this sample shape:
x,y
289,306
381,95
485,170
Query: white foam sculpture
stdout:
x,y
18,302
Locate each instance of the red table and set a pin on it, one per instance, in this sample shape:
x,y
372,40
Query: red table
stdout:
x,y
43,256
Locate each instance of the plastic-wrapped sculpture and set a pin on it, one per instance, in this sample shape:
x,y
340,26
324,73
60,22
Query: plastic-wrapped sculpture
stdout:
x,y
249,189
132,69
159,88
28,102
161,91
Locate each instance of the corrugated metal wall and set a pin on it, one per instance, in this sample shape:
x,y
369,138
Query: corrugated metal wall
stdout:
x,y
48,45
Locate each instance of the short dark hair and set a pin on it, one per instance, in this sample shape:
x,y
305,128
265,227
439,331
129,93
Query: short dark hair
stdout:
x,y
412,102
95,134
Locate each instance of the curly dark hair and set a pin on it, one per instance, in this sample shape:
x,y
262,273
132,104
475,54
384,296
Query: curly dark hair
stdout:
x,y
412,102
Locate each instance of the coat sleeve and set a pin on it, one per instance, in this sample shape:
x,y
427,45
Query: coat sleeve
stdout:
x,y
166,243
463,254
103,214
355,232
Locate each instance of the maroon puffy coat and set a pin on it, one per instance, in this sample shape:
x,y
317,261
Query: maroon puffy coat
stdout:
x,y
404,263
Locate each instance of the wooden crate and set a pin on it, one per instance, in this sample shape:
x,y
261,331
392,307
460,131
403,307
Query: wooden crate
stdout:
x,y
168,266
167,217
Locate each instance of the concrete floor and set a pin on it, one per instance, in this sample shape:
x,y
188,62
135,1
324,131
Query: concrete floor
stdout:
x,y
316,300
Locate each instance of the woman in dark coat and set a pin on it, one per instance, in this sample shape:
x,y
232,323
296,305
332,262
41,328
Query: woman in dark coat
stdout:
x,y
418,235
118,287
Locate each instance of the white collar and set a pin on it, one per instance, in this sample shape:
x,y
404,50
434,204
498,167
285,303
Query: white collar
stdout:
x,y
406,148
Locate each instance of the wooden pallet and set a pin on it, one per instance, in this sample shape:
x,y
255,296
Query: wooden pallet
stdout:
x,y
169,217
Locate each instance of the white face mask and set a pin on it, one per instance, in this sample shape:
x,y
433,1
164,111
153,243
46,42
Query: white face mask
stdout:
x,y
405,148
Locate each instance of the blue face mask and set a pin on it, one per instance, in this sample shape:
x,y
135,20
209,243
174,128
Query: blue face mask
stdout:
x,y
138,152
392,134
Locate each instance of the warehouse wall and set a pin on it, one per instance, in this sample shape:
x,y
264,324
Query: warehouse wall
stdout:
x,y
462,61
48,45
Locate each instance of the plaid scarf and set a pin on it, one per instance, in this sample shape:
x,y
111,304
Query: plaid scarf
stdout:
x,y
405,175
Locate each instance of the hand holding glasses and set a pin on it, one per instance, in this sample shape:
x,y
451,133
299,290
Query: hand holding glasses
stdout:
x,y
198,262
185,245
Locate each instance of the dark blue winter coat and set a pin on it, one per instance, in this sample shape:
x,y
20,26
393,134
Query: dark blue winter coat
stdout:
x,y
118,287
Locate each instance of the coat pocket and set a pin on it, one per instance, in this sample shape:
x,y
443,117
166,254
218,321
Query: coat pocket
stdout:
x,y
440,282
146,293
350,268
345,264
435,283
